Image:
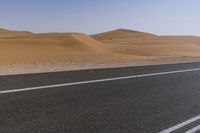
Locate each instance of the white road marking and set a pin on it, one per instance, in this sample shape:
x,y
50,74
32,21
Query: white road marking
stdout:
x,y
178,126
193,130
97,81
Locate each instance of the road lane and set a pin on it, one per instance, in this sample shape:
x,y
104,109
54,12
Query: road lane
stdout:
x,y
42,79
141,105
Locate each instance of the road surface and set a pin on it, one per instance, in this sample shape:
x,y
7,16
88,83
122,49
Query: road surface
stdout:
x,y
145,99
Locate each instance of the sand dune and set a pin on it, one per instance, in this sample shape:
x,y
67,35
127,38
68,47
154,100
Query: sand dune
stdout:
x,y
145,44
53,47
73,41
115,46
10,34
121,33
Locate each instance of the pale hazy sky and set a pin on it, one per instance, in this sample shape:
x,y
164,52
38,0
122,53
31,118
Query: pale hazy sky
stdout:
x,y
92,16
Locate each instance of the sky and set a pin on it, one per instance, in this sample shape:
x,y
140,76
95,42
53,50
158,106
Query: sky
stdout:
x,y
164,17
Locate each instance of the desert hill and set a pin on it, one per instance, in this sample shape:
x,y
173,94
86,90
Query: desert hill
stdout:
x,y
145,44
73,41
9,33
114,46
20,47
120,34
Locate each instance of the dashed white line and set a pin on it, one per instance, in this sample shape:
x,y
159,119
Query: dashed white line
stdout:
x,y
194,130
178,126
97,81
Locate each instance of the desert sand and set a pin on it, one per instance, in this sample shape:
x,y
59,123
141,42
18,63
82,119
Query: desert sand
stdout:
x,y
149,45
26,52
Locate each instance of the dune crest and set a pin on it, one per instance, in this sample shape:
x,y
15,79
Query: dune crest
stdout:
x,y
89,41
149,45
10,34
75,41
120,33
119,45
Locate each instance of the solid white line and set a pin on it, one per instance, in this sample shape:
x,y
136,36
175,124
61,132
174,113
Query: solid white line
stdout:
x,y
178,126
193,130
97,81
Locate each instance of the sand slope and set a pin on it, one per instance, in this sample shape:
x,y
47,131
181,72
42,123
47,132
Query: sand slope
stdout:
x,y
10,34
121,33
144,44
53,47
115,46
78,41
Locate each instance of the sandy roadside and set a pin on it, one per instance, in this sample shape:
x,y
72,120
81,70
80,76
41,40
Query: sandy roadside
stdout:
x,y
26,52
15,69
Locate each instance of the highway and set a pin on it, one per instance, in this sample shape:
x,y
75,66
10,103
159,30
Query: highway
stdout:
x,y
143,99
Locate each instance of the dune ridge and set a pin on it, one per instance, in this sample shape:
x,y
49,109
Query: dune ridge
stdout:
x,y
53,47
121,45
145,44
10,34
121,33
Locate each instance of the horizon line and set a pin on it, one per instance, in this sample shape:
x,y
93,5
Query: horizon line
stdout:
x,y
114,29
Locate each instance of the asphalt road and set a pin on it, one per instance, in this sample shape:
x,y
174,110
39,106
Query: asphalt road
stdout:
x,y
147,99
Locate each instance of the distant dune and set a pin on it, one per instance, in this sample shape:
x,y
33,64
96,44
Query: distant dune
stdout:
x,y
24,47
9,34
74,41
145,44
120,45
121,34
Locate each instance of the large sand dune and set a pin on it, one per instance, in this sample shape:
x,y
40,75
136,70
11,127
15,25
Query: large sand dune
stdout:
x,y
118,46
145,44
53,47
72,41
